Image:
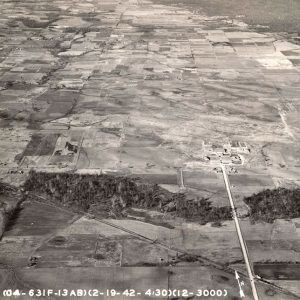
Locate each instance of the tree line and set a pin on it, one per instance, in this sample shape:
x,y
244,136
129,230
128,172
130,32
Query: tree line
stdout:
x,y
269,205
110,195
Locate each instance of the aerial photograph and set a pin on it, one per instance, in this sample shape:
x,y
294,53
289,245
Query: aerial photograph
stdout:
x,y
150,149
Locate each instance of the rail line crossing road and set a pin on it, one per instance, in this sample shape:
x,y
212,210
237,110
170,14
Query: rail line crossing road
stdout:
x,y
240,235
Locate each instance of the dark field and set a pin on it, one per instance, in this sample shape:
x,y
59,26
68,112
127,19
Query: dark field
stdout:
x,y
278,271
278,15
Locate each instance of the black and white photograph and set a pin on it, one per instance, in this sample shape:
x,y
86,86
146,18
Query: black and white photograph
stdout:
x,y
150,149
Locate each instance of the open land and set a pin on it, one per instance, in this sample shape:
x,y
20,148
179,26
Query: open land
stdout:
x,y
115,117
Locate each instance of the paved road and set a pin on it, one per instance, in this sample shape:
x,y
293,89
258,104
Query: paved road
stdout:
x,y
240,235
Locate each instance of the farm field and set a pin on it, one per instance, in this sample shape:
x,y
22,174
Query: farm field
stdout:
x,y
118,123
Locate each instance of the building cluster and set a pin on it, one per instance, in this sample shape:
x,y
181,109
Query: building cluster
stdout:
x,y
231,153
65,146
